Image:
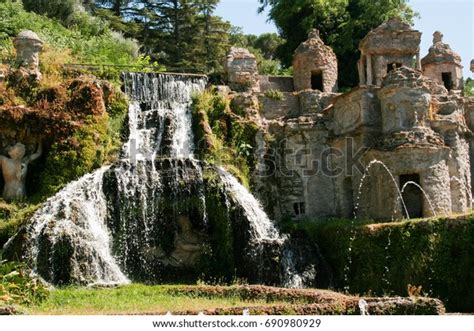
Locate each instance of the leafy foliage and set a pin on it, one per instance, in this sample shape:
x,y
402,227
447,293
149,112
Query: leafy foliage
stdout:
x,y
88,43
184,35
342,24
469,87
17,287
224,137
264,47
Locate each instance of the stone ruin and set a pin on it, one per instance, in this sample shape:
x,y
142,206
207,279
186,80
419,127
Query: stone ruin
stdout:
x,y
443,65
405,131
241,68
392,45
315,65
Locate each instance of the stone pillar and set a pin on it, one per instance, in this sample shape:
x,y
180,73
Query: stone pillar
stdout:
x,y
369,69
418,61
360,66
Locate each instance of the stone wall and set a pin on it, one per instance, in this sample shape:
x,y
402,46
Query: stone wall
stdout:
x,y
305,190
241,70
278,83
273,108
356,109
435,71
379,194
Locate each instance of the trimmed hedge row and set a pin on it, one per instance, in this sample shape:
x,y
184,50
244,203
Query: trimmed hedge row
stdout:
x,y
307,302
436,254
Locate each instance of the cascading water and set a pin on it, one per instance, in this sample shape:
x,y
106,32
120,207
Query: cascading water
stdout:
x,y
68,240
154,215
262,225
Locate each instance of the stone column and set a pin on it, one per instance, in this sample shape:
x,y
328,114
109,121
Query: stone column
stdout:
x,y
369,69
360,66
418,61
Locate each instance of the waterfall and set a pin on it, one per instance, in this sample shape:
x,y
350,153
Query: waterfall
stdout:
x,y
68,239
154,214
261,224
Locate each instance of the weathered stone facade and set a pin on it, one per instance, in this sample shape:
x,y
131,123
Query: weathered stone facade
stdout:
x,y
443,65
397,146
241,70
392,45
315,65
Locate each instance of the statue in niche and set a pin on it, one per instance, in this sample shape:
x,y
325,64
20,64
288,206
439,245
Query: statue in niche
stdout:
x,y
14,170
188,244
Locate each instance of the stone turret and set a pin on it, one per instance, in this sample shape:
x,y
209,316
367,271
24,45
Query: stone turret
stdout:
x,y
315,65
392,45
472,66
241,70
442,64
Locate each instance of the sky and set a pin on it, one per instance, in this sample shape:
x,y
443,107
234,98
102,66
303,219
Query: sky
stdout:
x,y
454,18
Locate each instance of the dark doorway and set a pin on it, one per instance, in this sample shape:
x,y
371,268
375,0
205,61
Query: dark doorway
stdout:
x,y
393,66
317,81
299,208
412,196
447,80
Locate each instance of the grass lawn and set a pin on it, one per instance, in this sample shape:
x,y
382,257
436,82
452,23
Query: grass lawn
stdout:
x,y
128,299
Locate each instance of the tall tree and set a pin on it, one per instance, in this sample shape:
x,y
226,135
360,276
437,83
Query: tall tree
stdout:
x,y
342,24
182,34
117,6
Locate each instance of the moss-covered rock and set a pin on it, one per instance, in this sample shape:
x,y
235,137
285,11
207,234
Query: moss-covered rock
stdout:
x,y
225,135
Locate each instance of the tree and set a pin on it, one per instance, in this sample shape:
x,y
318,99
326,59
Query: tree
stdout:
x,y
59,9
342,24
182,34
118,7
268,44
469,87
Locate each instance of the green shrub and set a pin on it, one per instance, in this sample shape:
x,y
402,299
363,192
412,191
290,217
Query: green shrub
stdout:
x,y
88,38
17,287
12,217
275,95
223,137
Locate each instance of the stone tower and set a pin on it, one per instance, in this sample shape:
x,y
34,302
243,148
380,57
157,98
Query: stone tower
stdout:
x,y
443,65
392,45
315,65
241,70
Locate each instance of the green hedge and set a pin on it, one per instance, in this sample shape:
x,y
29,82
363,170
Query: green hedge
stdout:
x,y
436,254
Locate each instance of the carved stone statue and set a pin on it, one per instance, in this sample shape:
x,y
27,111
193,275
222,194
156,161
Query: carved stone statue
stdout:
x,y
437,37
14,170
188,244
28,46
